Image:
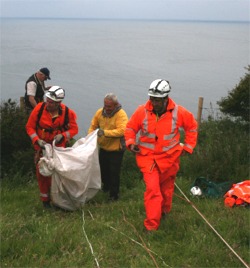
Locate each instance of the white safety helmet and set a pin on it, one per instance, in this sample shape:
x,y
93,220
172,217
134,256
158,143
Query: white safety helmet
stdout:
x,y
159,88
196,191
56,93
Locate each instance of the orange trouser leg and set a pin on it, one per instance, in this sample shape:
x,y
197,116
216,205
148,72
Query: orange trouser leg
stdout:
x,y
167,180
152,199
167,190
158,195
44,184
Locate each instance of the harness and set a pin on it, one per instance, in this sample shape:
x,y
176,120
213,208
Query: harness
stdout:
x,y
51,130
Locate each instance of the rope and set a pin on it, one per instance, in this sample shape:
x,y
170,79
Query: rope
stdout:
x,y
144,245
90,246
186,199
136,242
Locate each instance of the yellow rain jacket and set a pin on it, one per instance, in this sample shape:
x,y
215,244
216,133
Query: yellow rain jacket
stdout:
x,y
113,127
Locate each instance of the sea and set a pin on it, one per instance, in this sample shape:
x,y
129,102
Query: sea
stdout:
x,y
90,58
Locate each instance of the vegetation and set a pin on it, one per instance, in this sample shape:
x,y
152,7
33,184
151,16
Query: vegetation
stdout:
x,y
34,237
222,152
237,103
16,149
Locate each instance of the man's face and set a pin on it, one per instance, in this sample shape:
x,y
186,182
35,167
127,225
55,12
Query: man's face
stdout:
x,y
51,105
42,77
159,104
109,106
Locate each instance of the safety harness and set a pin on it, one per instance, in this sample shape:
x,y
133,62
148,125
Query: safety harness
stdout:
x,y
50,130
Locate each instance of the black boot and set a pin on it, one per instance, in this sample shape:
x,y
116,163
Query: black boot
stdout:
x,y
46,204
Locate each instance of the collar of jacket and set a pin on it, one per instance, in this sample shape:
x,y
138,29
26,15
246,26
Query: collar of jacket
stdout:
x,y
118,108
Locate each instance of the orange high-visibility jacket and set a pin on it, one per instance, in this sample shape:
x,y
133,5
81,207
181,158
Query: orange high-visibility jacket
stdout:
x,y
48,128
159,138
238,194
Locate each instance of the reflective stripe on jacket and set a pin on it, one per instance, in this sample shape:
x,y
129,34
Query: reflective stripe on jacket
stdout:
x,y
238,194
159,137
113,127
49,127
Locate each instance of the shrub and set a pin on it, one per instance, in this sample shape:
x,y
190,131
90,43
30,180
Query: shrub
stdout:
x,y
237,103
16,149
221,154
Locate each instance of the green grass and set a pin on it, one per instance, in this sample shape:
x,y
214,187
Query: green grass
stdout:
x,y
34,237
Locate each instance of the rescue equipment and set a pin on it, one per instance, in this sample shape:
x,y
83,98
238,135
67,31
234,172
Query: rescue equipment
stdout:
x,y
211,189
159,88
238,195
56,93
75,172
196,191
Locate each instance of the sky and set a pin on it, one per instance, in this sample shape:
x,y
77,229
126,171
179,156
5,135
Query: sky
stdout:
x,y
216,10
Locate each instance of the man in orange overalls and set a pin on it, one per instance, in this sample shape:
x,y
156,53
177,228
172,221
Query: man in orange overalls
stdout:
x,y
50,121
158,149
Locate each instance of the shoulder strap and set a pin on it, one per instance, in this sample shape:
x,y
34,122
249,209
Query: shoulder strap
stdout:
x,y
66,118
40,113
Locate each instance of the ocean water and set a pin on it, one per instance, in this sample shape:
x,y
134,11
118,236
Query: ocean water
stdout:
x,y
90,58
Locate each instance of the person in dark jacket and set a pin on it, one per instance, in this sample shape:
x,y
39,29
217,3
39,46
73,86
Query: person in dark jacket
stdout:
x,y
35,88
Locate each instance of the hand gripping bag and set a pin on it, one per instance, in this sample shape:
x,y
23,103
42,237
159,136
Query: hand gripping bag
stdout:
x,y
46,163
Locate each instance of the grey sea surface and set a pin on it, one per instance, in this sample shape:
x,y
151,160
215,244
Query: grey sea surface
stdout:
x,y
90,58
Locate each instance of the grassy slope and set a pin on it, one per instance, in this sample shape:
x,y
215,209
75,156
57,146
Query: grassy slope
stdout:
x,y
33,237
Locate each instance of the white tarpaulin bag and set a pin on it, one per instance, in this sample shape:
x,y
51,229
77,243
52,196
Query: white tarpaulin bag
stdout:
x,y
75,172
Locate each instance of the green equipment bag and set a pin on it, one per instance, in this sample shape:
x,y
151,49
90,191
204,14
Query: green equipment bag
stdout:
x,y
210,188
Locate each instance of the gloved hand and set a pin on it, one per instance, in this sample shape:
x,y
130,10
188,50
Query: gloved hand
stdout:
x,y
41,143
134,148
100,132
58,138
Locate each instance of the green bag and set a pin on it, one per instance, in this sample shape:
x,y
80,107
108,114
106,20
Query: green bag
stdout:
x,y
210,188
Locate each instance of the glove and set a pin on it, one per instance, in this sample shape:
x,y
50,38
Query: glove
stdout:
x,y
58,138
134,148
41,143
100,132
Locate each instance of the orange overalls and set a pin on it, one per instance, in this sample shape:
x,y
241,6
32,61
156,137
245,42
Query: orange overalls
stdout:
x,y
46,130
160,149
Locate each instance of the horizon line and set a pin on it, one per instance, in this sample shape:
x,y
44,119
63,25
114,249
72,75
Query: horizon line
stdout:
x,y
141,19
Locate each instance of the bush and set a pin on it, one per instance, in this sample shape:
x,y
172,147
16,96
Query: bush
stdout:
x,y
221,154
237,102
16,149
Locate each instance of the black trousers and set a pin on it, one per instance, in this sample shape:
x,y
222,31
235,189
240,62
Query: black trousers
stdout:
x,y
110,164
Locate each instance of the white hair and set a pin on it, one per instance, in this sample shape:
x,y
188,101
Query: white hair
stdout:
x,y
112,97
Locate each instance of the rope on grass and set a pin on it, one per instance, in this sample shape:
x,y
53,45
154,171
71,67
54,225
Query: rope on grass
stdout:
x,y
86,237
144,245
186,199
136,242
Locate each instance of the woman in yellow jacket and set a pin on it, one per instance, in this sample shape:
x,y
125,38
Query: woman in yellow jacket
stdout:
x,y
158,149
111,121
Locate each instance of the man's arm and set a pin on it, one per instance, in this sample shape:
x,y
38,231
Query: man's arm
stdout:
x,y
32,101
31,92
